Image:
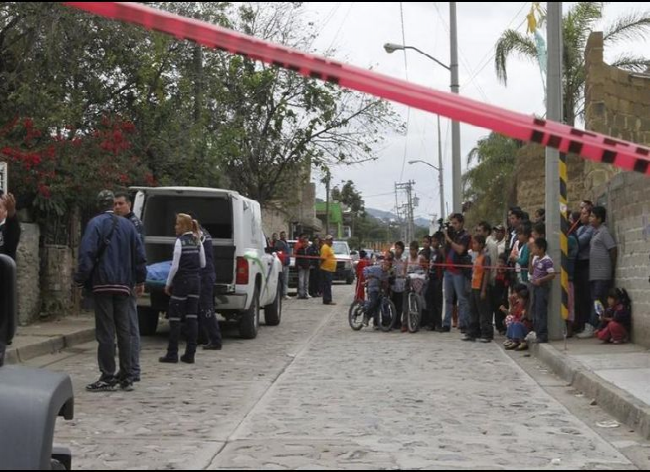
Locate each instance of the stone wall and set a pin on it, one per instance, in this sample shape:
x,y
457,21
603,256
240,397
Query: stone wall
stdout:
x,y
28,266
56,279
531,178
618,104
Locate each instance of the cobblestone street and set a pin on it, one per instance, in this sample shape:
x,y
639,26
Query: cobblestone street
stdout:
x,y
312,393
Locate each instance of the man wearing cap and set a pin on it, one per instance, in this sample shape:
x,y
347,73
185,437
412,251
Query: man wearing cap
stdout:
x,y
499,235
111,263
9,226
328,268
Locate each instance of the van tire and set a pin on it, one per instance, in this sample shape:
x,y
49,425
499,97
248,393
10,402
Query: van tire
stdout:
x,y
148,320
250,320
273,312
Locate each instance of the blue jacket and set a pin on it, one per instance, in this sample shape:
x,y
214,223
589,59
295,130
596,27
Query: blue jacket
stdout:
x,y
123,264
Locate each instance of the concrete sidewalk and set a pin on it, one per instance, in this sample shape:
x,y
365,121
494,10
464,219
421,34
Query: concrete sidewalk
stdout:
x,y
616,377
49,337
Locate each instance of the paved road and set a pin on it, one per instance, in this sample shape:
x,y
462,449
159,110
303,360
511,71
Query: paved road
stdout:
x,y
312,393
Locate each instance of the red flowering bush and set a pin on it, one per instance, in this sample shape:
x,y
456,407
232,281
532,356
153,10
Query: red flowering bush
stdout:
x,y
53,169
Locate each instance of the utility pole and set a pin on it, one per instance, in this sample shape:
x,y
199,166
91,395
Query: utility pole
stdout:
x,y
408,208
553,210
440,175
328,182
455,125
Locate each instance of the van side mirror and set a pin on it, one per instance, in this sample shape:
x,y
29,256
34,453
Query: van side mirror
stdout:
x,y
8,311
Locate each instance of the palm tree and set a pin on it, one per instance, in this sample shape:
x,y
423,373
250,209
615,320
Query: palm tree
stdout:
x,y
489,183
578,25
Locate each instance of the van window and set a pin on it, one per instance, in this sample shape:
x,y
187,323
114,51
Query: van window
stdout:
x,y
214,214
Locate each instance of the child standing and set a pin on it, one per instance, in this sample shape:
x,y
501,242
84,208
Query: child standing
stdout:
x,y
184,286
480,326
543,274
376,277
361,280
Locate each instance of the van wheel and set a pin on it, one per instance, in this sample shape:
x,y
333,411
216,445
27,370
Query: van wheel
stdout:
x,y
250,320
148,321
273,312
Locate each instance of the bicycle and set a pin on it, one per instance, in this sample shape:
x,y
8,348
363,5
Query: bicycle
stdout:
x,y
415,284
359,317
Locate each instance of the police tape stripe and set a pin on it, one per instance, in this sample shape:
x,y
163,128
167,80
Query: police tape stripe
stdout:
x,y
593,146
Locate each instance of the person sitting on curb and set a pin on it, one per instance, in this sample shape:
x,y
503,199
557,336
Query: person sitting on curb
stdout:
x,y
616,321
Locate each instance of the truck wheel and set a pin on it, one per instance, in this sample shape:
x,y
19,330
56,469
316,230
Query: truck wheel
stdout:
x,y
273,312
250,320
148,321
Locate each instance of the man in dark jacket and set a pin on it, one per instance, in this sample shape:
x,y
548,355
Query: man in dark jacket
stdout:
x,y
123,207
9,226
112,262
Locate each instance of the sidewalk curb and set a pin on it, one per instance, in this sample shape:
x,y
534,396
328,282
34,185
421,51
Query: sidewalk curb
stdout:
x,y
623,406
49,345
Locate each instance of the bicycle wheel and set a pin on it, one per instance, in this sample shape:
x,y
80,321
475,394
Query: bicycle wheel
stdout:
x,y
355,316
414,315
387,315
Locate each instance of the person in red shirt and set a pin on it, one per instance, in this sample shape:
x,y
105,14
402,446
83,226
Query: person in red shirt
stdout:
x,y
361,279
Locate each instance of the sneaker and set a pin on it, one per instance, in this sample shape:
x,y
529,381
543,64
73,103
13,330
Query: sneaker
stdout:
x,y
126,386
101,386
588,333
444,329
468,338
212,347
286,297
522,347
485,340
168,360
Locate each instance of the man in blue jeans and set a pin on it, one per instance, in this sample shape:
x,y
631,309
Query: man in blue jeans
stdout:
x,y
456,280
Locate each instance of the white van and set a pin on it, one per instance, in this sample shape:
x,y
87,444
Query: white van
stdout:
x,y
248,278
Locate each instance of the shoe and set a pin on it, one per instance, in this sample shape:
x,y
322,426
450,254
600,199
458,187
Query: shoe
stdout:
x,y
444,329
468,338
136,379
588,333
187,359
522,347
168,360
618,343
329,303
286,297
307,297
512,347
212,347
404,329
101,386
484,340
126,386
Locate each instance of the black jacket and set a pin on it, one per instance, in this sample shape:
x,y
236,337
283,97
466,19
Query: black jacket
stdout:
x,y
9,237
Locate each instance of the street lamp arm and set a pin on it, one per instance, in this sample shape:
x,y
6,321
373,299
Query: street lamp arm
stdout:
x,y
429,56
425,162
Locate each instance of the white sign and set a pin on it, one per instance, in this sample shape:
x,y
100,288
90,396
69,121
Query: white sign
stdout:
x,y
4,171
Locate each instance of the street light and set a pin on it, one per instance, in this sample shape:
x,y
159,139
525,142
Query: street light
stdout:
x,y
440,179
455,125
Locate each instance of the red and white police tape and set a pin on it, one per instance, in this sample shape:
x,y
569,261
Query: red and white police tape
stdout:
x,y
593,146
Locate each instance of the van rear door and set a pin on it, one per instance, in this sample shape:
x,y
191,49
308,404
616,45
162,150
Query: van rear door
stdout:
x,y
213,208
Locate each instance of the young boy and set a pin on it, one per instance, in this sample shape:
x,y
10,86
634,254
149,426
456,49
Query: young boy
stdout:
x,y
480,309
542,276
376,276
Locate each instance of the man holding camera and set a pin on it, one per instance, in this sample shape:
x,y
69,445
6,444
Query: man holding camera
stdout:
x,y
456,281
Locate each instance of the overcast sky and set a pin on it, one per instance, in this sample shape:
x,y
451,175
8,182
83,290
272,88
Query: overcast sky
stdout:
x,y
358,31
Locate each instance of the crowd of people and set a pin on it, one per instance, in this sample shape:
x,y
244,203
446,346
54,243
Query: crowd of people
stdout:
x,y
498,279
